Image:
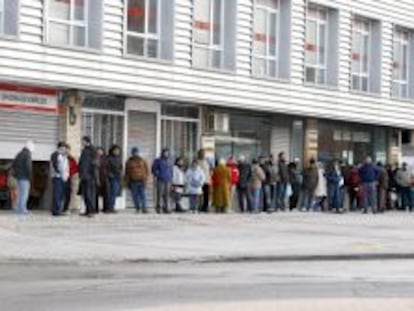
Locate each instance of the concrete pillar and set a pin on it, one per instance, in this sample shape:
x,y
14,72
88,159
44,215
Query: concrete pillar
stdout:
x,y
394,146
311,140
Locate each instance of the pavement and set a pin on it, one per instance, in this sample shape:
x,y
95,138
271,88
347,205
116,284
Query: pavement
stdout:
x,y
131,237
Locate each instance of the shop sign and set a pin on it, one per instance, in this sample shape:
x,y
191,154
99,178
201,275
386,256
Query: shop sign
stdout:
x,y
32,99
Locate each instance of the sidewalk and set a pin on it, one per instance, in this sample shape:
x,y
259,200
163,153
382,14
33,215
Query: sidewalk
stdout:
x,y
130,237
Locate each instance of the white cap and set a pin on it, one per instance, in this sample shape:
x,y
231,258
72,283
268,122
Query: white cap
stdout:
x,y
30,145
242,158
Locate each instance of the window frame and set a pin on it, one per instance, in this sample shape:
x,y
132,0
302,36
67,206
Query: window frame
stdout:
x,y
211,48
3,20
361,74
319,22
268,58
402,42
71,23
146,35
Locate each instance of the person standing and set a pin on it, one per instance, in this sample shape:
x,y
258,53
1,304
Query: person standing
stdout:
x,y
295,181
178,184
88,176
321,191
115,168
235,176
266,193
283,181
195,180
102,189
162,170
245,171
353,182
257,180
221,187
369,177
136,178
310,183
59,168
72,185
273,176
404,181
22,168
206,168
392,188
383,183
335,181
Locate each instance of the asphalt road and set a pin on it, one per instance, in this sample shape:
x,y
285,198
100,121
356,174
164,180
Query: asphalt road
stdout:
x,y
50,287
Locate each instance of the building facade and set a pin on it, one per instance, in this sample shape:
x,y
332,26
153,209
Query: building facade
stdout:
x,y
323,78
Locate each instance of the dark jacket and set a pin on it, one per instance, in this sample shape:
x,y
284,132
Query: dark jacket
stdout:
x,y
353,180
368,173
162,169
114,166
245,175
266,169
283,172
310,178
333,177
103,173
88,164
383,180
22,165
294,174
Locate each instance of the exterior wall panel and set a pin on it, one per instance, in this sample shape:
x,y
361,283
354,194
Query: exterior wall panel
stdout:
x,y
29,61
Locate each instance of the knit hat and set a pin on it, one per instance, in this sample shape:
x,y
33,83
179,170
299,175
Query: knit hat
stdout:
x,y
135,151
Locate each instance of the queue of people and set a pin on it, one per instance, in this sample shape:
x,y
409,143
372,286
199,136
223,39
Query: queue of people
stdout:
x,y
266,184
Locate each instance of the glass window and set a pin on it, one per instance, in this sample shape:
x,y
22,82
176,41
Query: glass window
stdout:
x,y
143,28
360,56
2,16
67,22
400,63
265,38
316,44
208,32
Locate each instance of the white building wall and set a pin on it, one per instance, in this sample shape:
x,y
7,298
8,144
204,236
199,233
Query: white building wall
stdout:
x,y
27,59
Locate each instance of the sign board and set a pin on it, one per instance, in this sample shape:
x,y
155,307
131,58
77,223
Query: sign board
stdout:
x,y
30,99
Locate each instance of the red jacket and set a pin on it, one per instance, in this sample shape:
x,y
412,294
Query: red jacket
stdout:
x,y
73,166
234,172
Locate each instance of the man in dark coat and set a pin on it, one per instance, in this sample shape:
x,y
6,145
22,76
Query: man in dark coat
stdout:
x,y
162,169
88,176
22,168
383,183
243,187
283,181
310,182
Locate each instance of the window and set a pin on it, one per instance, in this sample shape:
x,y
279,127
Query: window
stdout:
x,y
400,77
9,13
75,23
214,33
266,38
316,51
149,28
360,67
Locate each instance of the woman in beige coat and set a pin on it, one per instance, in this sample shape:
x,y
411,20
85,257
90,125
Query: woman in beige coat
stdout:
x,y
258,178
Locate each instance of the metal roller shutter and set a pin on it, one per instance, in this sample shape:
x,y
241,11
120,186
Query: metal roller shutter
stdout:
x,y
18,127
142,133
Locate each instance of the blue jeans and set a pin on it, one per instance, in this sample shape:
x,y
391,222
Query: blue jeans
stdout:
x,y
114,191
370,196
334,196
138,194
281,195
57,196
406,200
194,202
23,187
308,199
257,195
267,199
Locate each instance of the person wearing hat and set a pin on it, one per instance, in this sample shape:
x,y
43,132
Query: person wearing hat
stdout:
x,y
136,177
22,168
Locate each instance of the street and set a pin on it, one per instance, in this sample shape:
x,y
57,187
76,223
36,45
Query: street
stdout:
x,y
127,287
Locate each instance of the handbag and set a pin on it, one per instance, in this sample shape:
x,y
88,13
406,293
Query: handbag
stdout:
x,y
289,190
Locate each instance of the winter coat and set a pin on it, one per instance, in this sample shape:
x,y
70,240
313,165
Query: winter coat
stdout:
x,y
368,173
221,186
22,165
404,178
334,178
114,166
283,172
205,167
87,164
73,166
245,171
234,172
136,169
195,180
383,178
178,181
273,173
322,187
294,174
353,180
102,166
310,178
162,169
258,176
